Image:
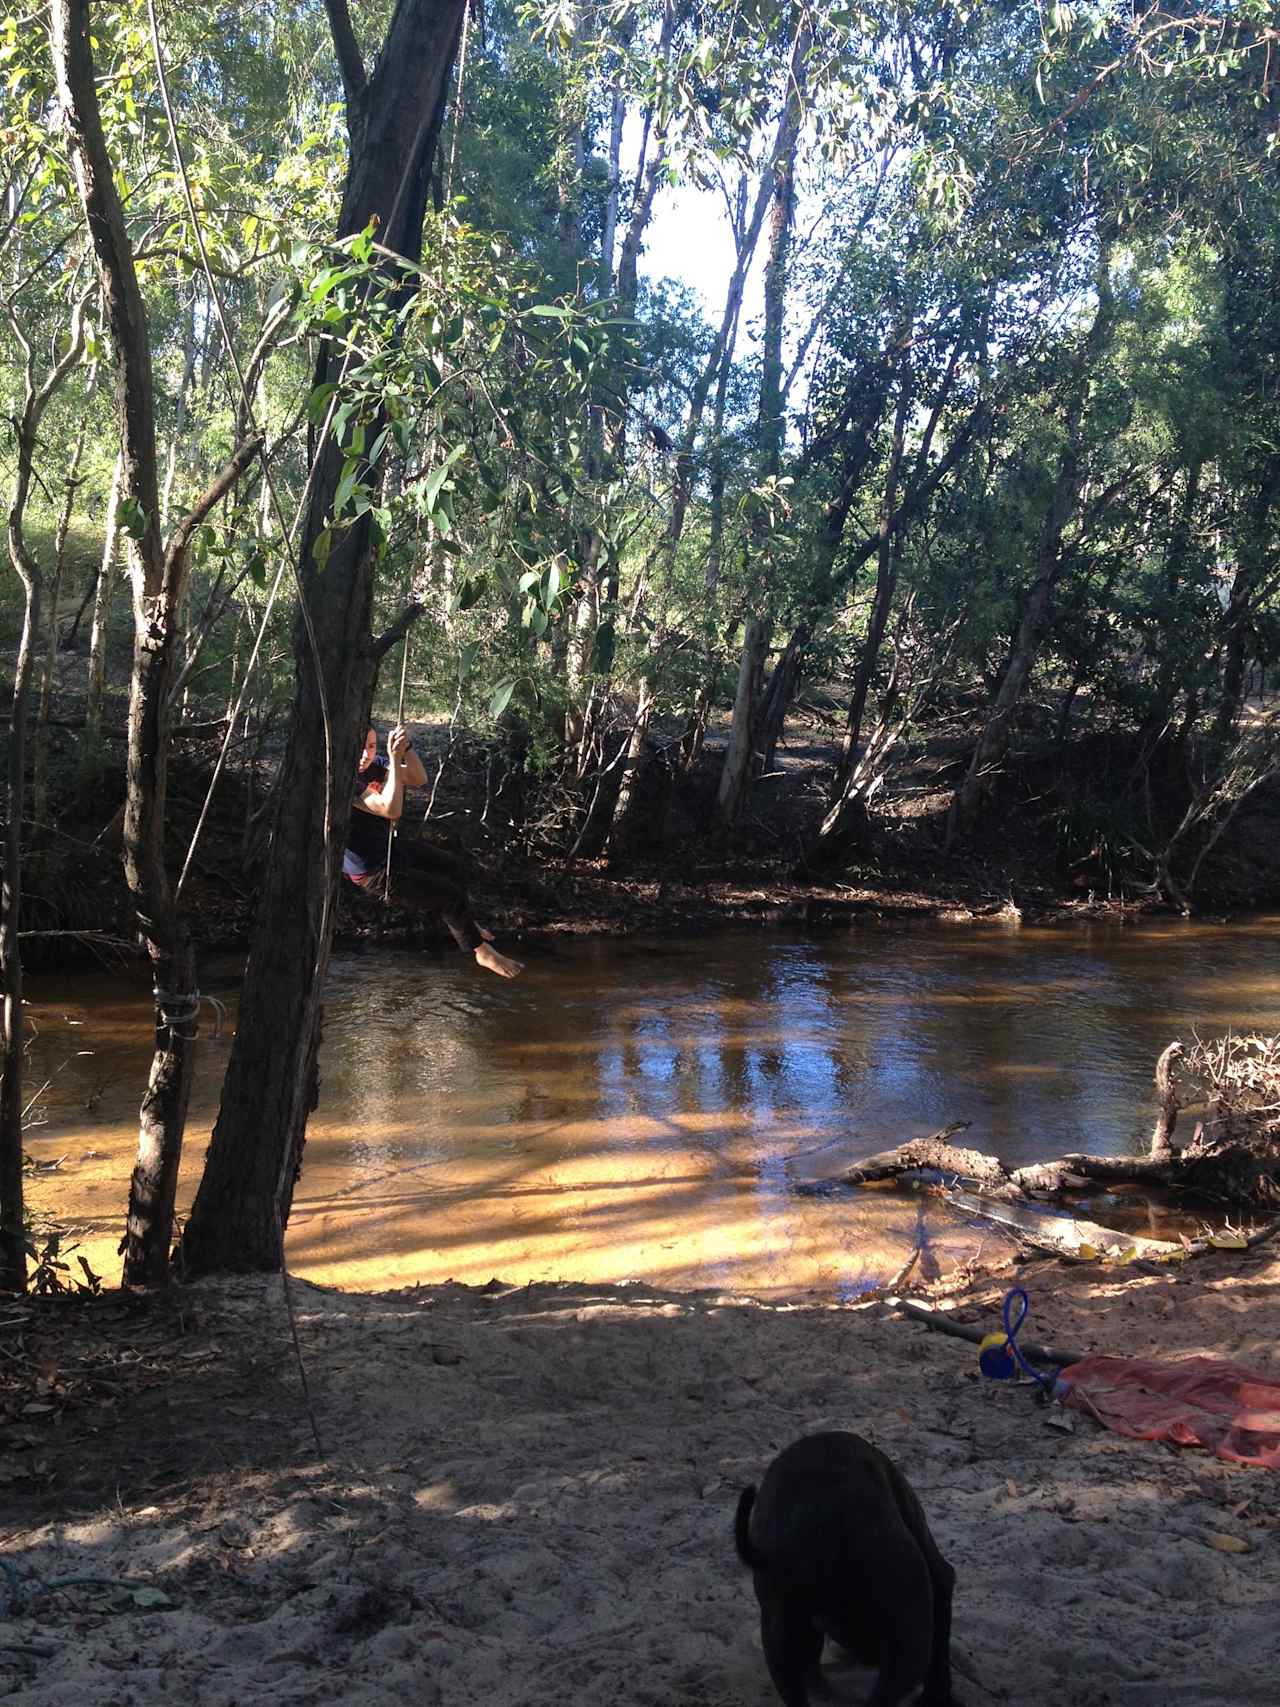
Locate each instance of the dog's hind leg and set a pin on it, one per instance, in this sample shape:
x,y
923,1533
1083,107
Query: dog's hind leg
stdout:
x,y
937,1683
792,1646
904,1605
903,1667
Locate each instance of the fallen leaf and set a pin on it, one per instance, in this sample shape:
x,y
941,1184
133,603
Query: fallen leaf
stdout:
x,y
1228,1241
152,1599
1228,1543
1012,1487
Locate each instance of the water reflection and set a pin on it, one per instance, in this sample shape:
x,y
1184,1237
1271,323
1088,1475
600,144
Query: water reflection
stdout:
x,y
642,1109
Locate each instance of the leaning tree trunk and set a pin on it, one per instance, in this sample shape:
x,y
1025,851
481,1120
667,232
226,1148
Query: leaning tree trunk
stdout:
x,y
157,573
244,1197
784,682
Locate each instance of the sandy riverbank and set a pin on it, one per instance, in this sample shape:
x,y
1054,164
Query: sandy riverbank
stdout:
x,y
525,1495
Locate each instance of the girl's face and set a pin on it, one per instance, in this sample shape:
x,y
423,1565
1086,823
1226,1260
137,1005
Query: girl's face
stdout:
x,y
370,749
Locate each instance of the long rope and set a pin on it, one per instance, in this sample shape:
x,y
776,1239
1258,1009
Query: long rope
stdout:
x,y
458,107
287,533
391,831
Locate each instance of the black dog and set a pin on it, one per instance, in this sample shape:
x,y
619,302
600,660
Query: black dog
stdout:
x,y
839,1547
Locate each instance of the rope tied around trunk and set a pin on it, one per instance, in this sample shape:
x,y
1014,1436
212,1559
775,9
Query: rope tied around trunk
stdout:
x,y
175,1011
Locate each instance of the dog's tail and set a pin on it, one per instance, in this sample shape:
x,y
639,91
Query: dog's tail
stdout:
x,y
742,1530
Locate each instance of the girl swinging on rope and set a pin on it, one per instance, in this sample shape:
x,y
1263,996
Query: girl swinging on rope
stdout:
x,y
421,876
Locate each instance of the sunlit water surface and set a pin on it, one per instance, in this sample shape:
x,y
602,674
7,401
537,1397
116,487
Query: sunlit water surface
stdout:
x,y
642,1109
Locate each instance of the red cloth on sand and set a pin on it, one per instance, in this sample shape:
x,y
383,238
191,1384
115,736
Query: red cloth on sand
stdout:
x,y
1197,1401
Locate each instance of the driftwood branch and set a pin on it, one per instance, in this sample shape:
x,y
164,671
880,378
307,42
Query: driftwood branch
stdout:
x,y
1036,1178
1167,1119
933,1152
942,1323
1229,1173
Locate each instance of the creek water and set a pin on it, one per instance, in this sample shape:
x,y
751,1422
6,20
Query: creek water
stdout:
x,y
641,1109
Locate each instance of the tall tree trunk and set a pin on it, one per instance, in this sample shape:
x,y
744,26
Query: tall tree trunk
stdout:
x,y
96,682
650,174
695,730
886,580
784,146
157,573
1168,683
40,737
1251,560
623,827
613,192
735,782
245,1195
737,758
784,680
595,601
180,409
993,742
13,1260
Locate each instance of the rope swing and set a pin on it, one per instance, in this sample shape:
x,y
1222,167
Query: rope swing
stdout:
x,y
404,675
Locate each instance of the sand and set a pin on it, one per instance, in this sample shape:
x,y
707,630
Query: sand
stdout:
x,y
525,1497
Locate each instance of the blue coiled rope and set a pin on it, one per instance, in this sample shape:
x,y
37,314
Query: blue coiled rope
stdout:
x,y
999,1355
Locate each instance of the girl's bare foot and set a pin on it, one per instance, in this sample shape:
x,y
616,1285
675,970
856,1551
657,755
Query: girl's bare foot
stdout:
x,y
488,957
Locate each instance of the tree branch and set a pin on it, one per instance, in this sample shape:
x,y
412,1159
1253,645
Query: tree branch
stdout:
x,y
354,80
399,628
217,489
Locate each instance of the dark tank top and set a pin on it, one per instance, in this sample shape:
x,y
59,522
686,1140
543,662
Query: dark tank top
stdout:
x,y
367,835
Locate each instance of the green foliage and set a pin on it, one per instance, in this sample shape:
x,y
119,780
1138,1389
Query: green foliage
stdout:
x,y
516,442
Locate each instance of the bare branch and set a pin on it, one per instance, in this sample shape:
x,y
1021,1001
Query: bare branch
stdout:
x,y
399,628
258,360
217,489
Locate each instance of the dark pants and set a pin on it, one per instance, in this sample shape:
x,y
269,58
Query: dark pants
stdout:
x,y
432,881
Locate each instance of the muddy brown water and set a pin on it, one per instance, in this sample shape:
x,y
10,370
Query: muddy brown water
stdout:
x,y
642,1108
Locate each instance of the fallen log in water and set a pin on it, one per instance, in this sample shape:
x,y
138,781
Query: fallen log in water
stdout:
x,y
1064,1235
1232,1174
934,1153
